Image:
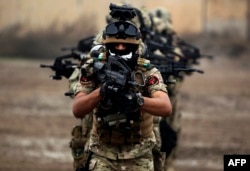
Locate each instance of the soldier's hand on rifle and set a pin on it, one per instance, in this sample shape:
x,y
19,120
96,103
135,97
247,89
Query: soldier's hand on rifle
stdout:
x,y
129,101
109,89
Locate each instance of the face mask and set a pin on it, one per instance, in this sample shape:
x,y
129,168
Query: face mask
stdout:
x,y
126,57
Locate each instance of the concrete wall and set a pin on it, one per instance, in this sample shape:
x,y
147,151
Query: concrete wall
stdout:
x,y
189,16
227,17
40,14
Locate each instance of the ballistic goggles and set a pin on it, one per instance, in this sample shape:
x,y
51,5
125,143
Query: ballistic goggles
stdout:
x,y
121,30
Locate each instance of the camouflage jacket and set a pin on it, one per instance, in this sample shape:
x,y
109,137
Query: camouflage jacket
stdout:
x,y
154,82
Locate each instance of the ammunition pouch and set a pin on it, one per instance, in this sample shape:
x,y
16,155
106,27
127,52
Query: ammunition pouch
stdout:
x,y
117,137
168,137
118,128
78,145
134,137
120,134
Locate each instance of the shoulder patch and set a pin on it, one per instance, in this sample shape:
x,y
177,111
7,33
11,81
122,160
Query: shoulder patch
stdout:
x,y
85,80
152,80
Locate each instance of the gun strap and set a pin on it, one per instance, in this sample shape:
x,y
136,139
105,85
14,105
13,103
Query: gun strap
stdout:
x,y
88,159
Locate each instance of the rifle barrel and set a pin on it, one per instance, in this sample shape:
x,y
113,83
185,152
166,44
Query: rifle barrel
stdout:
x,y
45,66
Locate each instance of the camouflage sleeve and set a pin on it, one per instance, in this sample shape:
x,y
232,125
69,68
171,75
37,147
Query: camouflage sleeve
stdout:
x,y
154,81
79,83
73,80
84,85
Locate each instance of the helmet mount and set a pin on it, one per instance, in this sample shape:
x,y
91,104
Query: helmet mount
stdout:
x,y
123,30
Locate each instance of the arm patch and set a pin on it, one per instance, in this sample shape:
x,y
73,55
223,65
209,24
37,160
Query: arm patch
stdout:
x,y
152,80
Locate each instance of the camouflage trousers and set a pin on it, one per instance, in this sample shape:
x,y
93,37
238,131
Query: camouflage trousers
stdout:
x,y
142,163
79,142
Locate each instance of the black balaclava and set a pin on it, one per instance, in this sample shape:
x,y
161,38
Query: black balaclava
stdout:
x,y
129,55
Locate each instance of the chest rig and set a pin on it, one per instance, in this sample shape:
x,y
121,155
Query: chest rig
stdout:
x,y
116,125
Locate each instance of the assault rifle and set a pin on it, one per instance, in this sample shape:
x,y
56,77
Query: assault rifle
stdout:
x,y
191,52
117,71
166,63
164,48
165,42
169,67
64,66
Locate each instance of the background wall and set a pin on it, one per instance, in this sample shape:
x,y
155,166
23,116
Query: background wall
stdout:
x,y
188,15
66,21
227,17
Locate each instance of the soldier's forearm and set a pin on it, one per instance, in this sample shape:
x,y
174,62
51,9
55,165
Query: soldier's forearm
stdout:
x,y
85,103
158,105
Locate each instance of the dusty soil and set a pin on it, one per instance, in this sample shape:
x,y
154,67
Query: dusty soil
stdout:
x,y
36,119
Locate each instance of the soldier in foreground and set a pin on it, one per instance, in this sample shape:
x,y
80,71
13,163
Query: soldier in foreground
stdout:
x,y
165,128
124,92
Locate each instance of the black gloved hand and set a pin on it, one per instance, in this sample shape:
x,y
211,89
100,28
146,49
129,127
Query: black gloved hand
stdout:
x,y
109,93
109,90
130,101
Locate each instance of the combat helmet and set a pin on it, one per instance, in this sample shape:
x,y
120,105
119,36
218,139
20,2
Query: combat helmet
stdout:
x,y
161,20
123,31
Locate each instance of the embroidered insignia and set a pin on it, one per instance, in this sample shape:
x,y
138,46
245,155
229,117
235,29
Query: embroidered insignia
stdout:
x,y
84,80
152,80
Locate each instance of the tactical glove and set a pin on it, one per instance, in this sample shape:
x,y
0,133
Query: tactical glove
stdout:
x,y
109,89
130,101
109,92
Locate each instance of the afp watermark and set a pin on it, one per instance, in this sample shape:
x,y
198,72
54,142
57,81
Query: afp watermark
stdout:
x,y
236,162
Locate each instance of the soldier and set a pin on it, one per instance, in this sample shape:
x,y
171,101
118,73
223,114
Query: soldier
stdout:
x,y
142,20
162,24
80,132
122,135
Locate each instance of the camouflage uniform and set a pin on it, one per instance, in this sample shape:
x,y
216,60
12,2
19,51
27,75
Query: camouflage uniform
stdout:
x,y
162,23
115,147
131,157
80,133
158,156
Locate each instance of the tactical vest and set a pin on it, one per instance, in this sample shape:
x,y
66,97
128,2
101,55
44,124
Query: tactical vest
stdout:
x,y
119,128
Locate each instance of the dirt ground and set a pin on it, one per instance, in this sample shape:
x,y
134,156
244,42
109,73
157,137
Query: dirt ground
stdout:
x,y
36,119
